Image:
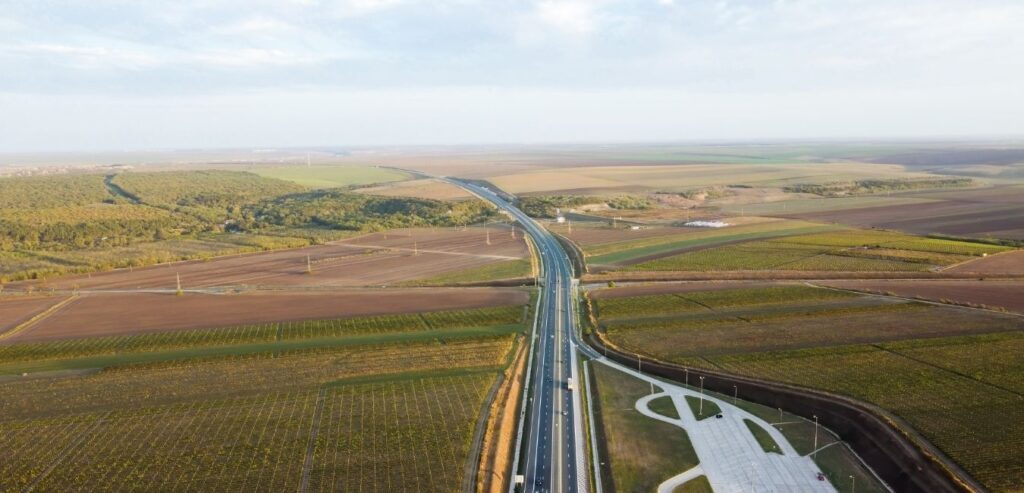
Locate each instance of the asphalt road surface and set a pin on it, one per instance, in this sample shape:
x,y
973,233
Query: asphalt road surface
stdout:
x,y
555,453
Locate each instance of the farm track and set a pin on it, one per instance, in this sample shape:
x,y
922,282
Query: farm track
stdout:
x,y
16,330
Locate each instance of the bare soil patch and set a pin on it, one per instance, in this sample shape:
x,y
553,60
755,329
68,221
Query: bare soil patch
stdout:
x,y
999,264
106,314
15,311
1005,294
369,260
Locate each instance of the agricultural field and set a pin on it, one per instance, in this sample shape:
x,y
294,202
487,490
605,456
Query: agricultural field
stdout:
x,y
428,188
1005,263
359,329
369,404
997,295
820,204
847,250
994,212
18,310
942,369
332,176
374,259
666,242
509,269
108,314
680,178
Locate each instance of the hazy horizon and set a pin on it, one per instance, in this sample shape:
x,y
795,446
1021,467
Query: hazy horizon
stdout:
x,y
361,73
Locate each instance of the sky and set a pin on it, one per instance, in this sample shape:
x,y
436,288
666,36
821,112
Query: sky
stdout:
x,y
127,75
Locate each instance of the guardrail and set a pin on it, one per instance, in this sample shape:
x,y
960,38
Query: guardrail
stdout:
x,y
905,463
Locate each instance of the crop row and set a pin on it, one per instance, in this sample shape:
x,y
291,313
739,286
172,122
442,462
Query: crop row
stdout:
x,y
372,437
994,358
663,304
892,240
231,377
979,425
395,437
833,251
257,333
751,231
765,255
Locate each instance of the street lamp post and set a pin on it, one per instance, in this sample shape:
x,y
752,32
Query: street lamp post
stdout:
x,y
735,394
853,484
701,410
686,372
815,453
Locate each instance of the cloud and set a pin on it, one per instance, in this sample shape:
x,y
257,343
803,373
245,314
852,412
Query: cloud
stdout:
x,y
575,17
257,24
84,55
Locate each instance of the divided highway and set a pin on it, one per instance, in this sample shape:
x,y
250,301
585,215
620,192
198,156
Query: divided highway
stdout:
x,y
555,457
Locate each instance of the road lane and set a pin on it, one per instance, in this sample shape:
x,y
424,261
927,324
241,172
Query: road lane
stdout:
x,y
554,455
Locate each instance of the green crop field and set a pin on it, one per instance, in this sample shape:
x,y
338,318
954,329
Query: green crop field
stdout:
x,y
800,206
850,250
508,269
696,301
954,374
358,404
625,251
356,328
333,176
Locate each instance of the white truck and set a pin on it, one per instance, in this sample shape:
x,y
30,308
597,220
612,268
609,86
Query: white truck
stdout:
x,y
569,384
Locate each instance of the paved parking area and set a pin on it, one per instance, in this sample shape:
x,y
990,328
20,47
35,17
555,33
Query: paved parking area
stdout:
x,y
729,454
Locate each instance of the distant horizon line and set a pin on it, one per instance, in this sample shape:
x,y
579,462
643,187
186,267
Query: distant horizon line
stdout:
x,y
935,139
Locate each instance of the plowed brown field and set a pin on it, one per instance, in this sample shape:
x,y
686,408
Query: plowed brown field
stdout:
x,y
104,314
14,311
1003,263
1006,294
370,260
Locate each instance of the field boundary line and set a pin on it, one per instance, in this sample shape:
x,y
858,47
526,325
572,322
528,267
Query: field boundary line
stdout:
x,y
973,259
64,453
944,369
473,460
424,250
908,298
314,430
38,317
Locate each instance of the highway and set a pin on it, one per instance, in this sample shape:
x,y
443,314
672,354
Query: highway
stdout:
x,y
555,455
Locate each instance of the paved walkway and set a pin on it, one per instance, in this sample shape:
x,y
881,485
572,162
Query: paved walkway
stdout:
x,y
729,454
674,482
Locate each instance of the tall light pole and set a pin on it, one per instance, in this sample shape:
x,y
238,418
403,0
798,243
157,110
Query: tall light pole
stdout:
x,y
815,452
735,394
686,372
853,484
701,410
